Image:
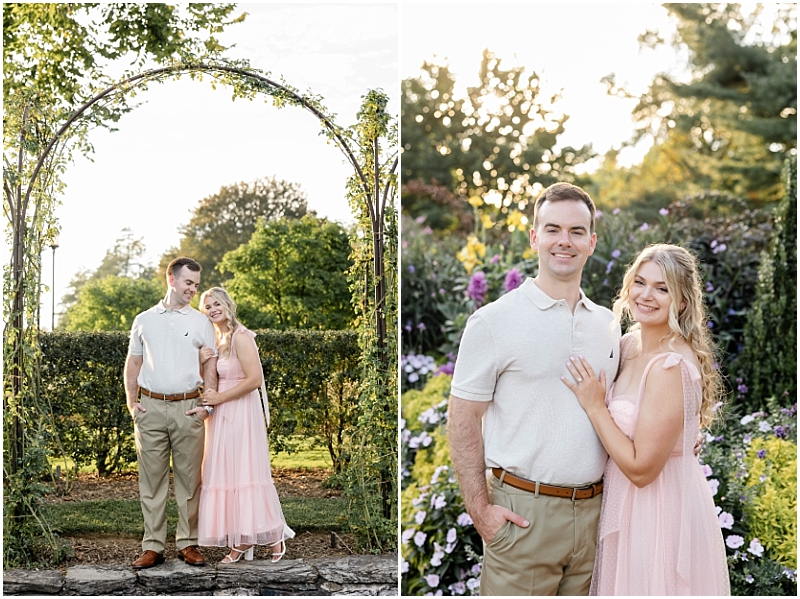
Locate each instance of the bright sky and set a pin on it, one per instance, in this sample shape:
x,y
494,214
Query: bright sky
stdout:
x,y
570,45
188,140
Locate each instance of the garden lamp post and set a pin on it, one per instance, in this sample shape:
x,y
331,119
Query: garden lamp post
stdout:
x,y
54,245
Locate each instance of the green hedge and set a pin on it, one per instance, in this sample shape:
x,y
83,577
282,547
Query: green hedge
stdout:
x,y
312,381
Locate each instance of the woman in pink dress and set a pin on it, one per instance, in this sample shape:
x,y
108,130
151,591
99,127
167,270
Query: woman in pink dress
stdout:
x,y
659,533
239,506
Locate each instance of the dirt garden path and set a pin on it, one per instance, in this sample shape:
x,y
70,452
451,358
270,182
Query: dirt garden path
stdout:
x,y
115,550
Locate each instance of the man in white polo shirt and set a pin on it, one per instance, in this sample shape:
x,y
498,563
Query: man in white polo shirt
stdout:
x,y
510,412
163,389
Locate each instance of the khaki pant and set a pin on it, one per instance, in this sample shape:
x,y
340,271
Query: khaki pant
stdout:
x,y
552,556
162,430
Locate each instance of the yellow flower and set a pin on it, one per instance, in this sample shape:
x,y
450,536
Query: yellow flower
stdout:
x,y
475,201
471,253
528,253
486,221
516,220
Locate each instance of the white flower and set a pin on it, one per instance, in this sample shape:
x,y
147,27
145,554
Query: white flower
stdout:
x,y
734,541
747,419
402,423
413,442
707,471
709,437
473,583
439,502
413,377
432,580
713,484
464,520
764,426
408,533
419,517
452,535
756,548
425,439
449,548
419,538
725,520
438,554
718,508
404,567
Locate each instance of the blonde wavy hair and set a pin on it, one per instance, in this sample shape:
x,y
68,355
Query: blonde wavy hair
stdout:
x,y
690,323
219,294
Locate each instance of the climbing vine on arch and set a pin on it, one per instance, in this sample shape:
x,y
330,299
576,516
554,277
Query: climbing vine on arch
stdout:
x,y
39,141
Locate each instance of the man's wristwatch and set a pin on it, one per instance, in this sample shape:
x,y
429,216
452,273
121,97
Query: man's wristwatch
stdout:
x,y
209,409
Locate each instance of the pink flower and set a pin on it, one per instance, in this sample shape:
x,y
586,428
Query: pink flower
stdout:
x,y
513,279
756,548
707,471
713,484
419,538
432,580
734,541
725,520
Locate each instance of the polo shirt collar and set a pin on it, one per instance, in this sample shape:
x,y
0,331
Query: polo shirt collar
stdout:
x,y
544,301
161,308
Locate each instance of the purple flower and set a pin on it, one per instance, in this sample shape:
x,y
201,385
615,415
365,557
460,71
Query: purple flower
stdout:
x,y
734,541
663,212
742,388
411,269
448,368
709,287
477,288
495,259
419,517
762,453
408,533
609,266
707,471
616,211
598,213
513,279
616,254
780,432
421,326
408,326
419,538
644,227
749,578
710,324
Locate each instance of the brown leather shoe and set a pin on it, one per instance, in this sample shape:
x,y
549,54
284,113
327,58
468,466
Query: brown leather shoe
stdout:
x,y
148,560
192,556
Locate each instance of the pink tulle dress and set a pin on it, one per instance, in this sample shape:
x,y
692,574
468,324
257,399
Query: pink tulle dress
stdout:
x,y
664,538
238,501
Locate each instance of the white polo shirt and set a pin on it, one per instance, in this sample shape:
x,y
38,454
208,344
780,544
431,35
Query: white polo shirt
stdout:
x,y
170,342
512,354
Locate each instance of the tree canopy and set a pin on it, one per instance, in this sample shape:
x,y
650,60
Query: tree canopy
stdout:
x,y
292,274
224,221
730,124
111,303
500,138
60,51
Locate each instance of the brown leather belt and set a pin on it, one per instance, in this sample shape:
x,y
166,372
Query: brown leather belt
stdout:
x,y
567,492
172,396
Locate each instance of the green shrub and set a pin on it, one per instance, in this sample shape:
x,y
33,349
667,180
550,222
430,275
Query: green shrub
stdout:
x,y
312,381
769,361
772,470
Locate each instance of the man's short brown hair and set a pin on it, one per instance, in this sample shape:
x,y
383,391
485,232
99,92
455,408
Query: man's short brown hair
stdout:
x,y
175,267
564,191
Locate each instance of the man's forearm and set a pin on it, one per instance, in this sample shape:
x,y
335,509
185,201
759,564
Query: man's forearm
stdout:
x,y
131,382
466,450
210,380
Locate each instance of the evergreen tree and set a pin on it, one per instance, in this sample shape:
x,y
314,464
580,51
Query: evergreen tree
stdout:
x,y
768,363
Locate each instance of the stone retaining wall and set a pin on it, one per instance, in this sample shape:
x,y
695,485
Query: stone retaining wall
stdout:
x,y
354,575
